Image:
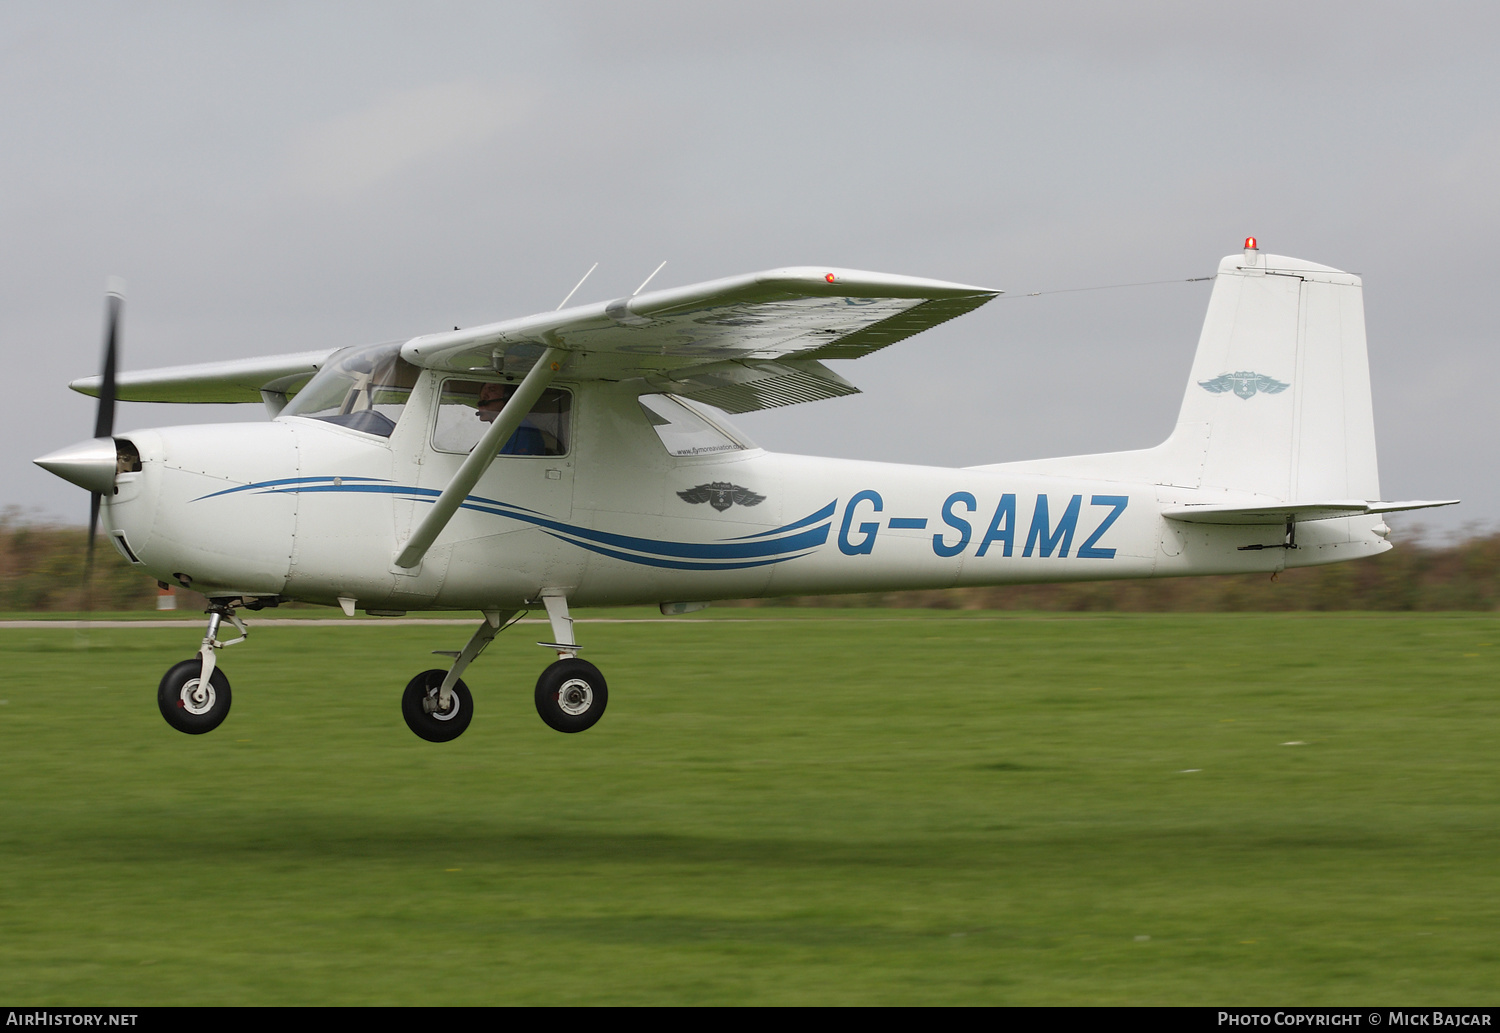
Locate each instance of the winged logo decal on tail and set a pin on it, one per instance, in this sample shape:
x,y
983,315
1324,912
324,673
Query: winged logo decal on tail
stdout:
x,y
721,495
1243,383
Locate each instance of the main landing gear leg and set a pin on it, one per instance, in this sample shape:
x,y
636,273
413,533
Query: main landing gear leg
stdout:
x,y
194,694
571,693
437,704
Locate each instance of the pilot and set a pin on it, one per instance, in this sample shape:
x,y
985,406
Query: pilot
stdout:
x,y
492,398
528,440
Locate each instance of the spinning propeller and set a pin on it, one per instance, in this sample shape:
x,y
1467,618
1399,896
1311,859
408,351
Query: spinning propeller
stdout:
x,y
104,420
92,464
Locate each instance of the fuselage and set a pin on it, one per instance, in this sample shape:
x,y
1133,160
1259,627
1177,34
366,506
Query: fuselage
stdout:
x,y
306,509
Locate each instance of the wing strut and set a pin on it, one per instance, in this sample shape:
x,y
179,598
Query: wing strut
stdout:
x,y
481,457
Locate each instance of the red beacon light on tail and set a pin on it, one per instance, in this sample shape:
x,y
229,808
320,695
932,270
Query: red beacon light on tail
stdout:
x,y
1251,251
1250,244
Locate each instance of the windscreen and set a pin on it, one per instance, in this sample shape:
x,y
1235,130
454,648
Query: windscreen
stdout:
x,y
364,389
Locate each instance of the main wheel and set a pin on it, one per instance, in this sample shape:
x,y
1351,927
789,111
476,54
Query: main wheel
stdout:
x,y
571,695
419,705
189,705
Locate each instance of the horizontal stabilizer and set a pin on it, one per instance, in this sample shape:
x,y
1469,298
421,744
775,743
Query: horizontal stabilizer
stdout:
x,y
1327,510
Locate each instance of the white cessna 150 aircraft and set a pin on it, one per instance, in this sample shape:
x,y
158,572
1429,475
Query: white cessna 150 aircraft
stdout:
x,y
562,460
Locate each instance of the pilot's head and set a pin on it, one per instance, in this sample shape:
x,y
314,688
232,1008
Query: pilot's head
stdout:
x,y
492,398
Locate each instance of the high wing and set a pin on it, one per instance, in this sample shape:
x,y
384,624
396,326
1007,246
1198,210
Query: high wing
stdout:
x,y
234,380
739,343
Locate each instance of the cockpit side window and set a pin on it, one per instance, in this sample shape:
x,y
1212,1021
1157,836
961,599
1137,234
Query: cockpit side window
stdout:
x,y
466,408
364,389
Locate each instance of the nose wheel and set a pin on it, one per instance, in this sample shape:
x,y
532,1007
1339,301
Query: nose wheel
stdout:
x,y
194,695
571,695
188,703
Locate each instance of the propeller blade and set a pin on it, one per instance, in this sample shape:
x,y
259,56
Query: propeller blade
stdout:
x,y
88,566
104,423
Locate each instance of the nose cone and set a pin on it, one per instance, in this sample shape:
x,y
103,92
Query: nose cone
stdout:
x,y
89,464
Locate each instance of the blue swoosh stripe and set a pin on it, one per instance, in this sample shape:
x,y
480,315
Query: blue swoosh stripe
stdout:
x,y
813,518
366,489
276,485
379,486
675,564
708,550
737,553
470,501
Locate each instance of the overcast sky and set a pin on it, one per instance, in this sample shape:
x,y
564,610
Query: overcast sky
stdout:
x,y
279,177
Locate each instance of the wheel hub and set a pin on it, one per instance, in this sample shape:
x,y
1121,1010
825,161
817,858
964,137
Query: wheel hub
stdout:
x,y
575,697
434,706
197,698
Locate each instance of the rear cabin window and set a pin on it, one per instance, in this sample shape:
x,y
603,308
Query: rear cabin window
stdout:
x,y
466,408
685,430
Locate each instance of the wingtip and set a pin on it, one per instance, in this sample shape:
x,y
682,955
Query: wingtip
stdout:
x,y
832,278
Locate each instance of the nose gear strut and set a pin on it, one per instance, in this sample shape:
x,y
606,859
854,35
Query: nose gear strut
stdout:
x,y
194,694
218,609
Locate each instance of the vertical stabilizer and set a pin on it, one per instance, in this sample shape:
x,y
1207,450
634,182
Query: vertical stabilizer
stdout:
x,y
1278,403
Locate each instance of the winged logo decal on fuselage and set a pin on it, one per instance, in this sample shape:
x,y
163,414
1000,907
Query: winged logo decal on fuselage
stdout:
x,y
721,495
1243,383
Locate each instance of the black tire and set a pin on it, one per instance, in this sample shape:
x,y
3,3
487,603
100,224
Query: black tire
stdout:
x,y
181,704
571,695
436,726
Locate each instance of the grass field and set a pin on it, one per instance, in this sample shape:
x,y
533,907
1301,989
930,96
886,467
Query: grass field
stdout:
x,y
820,807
